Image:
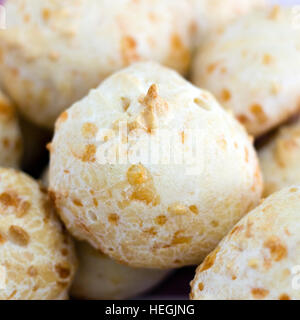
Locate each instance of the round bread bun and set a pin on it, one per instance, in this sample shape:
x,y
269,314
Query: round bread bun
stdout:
x,y
153,211
100,278
54,52
37,259
213,15
251,71
259,258
280,159
10,135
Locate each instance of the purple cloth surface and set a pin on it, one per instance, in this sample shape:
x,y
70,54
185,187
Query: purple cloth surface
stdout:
x,y
175,287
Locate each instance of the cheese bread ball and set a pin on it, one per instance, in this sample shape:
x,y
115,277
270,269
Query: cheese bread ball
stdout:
x,y
139,197
259,258
10,136
54,52
37,258
100,278
280,159
253,68
213,15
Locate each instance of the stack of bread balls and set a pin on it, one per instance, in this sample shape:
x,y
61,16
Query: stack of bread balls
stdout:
x,y
167,122
54,52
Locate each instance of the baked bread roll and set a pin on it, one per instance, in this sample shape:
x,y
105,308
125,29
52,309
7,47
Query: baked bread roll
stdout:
x,y
259,258
37,258
54,52
100,278
251,71
162,193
